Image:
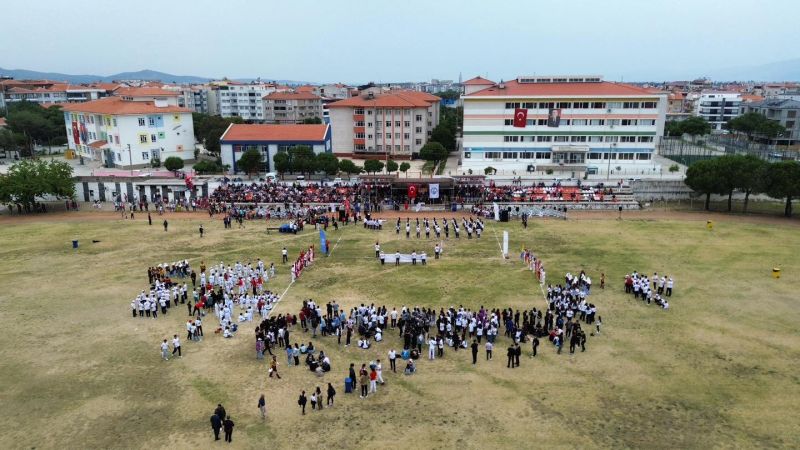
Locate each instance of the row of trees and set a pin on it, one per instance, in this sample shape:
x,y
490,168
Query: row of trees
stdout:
x,y
28,124
693,126
30,179
754,123
302,159
208,129
748,174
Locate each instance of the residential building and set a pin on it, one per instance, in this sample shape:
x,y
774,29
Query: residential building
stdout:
x,y
243,100
45,91
718,108
395,123
291,107
573,125
784,111
270,140
336,91
131,129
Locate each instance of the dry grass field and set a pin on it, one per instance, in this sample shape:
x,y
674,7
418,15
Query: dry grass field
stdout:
x,y
718,370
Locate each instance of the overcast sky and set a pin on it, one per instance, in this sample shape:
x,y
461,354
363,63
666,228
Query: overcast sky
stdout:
x,y
377,40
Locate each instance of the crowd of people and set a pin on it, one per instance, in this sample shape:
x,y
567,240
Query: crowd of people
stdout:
x,y
640,286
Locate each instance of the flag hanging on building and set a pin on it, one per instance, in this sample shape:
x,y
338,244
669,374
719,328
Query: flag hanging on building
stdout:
x,y
412,191
520,117
433,190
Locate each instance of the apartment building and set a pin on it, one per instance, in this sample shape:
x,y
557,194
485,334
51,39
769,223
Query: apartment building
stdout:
x,y
784,111
395,123
718,107
243,100
45,91
130,129
292,107
336,91
564,125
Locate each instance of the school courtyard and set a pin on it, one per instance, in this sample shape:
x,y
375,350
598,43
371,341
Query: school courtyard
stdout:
x,y
718,369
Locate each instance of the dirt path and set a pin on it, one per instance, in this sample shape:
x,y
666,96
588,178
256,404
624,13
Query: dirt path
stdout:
x,y
652,214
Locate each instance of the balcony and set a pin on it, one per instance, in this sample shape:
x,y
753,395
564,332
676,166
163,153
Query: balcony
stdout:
x,y
358,117
358,141
359,130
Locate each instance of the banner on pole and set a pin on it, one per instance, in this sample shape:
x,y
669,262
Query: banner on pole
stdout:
x,y
433,190
505,244
496,211
323,242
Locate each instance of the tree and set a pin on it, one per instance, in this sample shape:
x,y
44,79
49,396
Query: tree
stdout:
x,y
783,181
674,168
204,167
444,134
404,166
702,178
752,174
328,163
251,161
173,163
282,163
312,121
303,159
373,166
28,180
753,123
349,167
391,166
489,170
695,126
433,151
673,128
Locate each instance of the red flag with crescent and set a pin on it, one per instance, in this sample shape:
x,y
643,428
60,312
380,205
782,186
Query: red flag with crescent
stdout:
x,y
520,117
412,191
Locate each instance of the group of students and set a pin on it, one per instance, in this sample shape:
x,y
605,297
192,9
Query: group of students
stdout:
x,y
568,308
640,286
470,225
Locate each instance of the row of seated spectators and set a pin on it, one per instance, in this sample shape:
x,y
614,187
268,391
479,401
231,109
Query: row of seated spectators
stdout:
x,y
280,193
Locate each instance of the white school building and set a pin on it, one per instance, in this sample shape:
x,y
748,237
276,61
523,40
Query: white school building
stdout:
x,y
569,126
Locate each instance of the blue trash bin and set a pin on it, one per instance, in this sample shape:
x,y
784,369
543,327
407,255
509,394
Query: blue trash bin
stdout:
x,y
454,207
348,385
75,243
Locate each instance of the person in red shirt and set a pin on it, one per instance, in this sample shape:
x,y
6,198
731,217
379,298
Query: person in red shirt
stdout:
x,y
373,380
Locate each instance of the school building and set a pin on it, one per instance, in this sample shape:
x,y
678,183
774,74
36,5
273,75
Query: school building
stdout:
x,y
564,125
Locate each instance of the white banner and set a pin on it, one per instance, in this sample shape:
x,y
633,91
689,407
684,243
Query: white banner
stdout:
x,y
505,244
433,190
405,258
496,211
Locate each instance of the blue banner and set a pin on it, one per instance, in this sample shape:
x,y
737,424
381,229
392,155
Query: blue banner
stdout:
x,y
323,242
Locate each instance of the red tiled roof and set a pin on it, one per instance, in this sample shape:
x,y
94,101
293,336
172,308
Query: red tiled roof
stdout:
x,y
105,86
751,98
394,99
516,89
145,92
291,96
266,132
306,88
118,106
478,81
98,144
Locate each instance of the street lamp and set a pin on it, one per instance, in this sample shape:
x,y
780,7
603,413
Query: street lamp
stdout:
x,y
130,159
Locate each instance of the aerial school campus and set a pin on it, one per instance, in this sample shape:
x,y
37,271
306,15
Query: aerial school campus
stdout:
x,y
537,261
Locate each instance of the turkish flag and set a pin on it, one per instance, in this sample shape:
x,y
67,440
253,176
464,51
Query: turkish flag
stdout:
x,y
412,191
520,117
75,134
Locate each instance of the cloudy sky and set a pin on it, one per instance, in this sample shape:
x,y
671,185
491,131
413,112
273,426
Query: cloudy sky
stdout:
x,y
378,40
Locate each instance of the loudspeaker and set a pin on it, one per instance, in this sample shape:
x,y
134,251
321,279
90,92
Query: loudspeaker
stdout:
x,y
341,215
504,216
